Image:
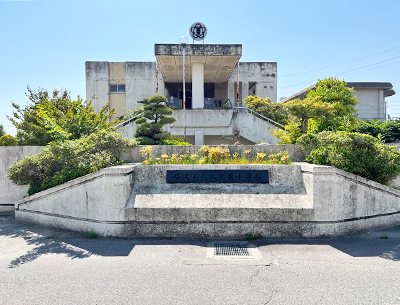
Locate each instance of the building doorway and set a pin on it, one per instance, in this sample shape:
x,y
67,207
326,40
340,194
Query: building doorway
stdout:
x,y
188,98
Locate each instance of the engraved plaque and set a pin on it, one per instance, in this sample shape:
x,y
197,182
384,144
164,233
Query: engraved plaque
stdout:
x,y
217,176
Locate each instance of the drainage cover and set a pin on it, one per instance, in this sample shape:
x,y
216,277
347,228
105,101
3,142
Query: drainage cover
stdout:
x,y
231,249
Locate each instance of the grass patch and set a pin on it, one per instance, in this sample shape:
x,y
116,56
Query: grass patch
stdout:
x,y
251,236
91,235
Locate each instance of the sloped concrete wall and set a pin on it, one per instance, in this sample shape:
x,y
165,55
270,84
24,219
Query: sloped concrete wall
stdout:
x,y
10,192
255,129
216,123
346,203
87,203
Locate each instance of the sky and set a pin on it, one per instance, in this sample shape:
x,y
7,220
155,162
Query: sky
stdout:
x,y
45,43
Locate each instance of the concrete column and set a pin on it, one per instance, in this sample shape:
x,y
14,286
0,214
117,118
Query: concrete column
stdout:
x,y
381,105
197,85
198,137
245,91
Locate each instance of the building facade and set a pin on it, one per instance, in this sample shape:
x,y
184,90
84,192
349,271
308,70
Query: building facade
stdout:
x,y
210,110
212,74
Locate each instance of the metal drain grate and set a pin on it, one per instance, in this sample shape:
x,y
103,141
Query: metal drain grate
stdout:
x,y
230,249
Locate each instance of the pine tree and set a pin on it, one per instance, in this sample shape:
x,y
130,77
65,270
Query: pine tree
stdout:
x,y
156,114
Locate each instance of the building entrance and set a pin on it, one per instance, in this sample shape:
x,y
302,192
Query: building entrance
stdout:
x,y
175,95
188,98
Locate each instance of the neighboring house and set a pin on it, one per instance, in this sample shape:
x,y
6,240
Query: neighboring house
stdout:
x,y
370,97
211,77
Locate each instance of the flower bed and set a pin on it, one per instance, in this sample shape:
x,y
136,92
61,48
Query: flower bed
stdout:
x,y
215,155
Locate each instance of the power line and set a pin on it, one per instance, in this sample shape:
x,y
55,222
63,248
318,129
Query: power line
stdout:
x,y
379,66
369,65
312,81
343,63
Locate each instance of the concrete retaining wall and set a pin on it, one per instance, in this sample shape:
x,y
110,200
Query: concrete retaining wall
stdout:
x,y
135,201
10,192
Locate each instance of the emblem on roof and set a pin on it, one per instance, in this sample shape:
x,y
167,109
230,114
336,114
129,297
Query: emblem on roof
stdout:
x,y
198,31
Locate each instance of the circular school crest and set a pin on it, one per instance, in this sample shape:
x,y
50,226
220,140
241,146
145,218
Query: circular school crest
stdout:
x,y
198,31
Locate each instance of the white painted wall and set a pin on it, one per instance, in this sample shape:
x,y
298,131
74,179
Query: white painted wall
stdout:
x,y
141,82
371,103
265,75
97,85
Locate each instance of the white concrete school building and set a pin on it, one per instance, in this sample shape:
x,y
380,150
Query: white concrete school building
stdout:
x,y
216,83
211,86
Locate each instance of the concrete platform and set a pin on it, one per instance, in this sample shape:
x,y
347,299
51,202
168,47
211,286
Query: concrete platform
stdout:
x,y
136,201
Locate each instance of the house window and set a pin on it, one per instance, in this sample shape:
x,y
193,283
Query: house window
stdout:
x,y
117,88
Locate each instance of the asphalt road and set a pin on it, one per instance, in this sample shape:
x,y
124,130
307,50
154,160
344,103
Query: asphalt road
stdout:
x,y
46,266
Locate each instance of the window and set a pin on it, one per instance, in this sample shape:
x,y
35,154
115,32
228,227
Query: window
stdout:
x,y
117,88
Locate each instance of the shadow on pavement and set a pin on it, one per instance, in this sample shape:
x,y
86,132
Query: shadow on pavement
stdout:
x,y
71,244
77,245
356,247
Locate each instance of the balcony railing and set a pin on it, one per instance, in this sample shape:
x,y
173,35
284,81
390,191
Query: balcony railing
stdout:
x,y
259,115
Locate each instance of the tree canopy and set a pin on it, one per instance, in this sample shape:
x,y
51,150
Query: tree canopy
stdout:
x,y
155,116
274,111
310,107
55,116
329,107
334,91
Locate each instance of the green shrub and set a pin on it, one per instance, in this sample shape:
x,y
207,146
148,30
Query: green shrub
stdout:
x,y
62,161
173,140
8,140
356,153
290,134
